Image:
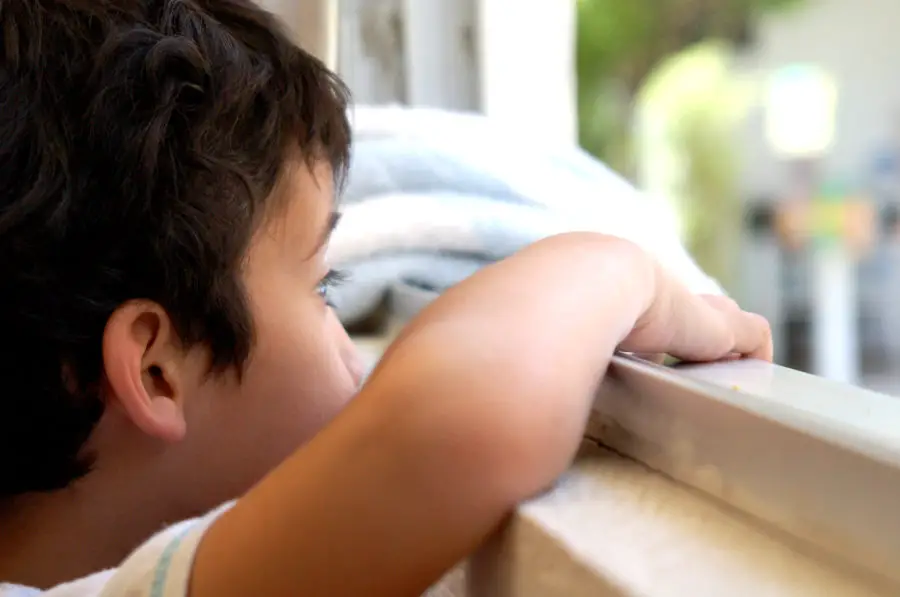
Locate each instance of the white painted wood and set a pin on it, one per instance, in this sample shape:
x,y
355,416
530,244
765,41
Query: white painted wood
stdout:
x,y
410,52
513,61
613,528
314,24
527,74
440,61
371,50
818,461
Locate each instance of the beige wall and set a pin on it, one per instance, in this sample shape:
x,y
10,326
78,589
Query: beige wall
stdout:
x,y
858,43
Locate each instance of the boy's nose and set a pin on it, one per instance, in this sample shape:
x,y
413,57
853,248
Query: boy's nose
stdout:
x,y
352,358
354,362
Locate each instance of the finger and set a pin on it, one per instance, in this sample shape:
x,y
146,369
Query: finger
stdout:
x,y
721,302
752,335
692,329
714,327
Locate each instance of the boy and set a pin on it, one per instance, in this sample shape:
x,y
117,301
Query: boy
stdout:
x,y
167,172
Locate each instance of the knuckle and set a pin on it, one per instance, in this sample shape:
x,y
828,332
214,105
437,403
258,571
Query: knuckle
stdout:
x,y
721,302
760,323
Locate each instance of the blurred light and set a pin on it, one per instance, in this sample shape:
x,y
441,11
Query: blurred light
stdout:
x,y
801,105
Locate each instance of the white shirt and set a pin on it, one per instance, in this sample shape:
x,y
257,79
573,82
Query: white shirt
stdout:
x,y
161,567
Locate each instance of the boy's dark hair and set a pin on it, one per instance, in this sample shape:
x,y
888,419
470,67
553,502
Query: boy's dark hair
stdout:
x,y
139,143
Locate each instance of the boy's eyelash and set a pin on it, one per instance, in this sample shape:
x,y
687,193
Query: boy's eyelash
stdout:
x,y
332,278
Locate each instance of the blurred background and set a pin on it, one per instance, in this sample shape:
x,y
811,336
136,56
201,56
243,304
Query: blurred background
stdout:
x,y
768,129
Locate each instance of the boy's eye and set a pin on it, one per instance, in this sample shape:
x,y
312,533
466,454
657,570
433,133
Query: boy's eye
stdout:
x,y
332,278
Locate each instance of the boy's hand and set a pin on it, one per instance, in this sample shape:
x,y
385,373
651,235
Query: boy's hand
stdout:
x,y
697,327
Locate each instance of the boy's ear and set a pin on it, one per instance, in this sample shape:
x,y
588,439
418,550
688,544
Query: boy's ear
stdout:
x,y
146,369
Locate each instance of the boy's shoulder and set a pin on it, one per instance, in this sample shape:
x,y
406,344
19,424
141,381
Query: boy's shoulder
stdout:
x,y
161,567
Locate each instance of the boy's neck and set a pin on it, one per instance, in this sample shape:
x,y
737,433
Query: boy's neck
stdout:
x,y
49,539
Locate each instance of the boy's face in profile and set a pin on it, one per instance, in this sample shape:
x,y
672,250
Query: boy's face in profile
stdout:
x,y
302,370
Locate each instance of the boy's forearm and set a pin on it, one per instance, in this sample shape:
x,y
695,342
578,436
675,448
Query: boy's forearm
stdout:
x,y
578,290
480,404
528,338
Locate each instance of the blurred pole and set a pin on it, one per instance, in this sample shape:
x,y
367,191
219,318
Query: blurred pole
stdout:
x,y
834,295
314,24
835,334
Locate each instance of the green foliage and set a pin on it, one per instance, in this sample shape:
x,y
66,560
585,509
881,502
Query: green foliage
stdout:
x,y
620,42
626,38
634,50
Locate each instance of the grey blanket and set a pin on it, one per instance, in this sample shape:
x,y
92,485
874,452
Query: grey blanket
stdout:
x,y
432,196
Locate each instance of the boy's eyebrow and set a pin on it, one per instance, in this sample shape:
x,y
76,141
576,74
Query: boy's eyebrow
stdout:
x,y
333,218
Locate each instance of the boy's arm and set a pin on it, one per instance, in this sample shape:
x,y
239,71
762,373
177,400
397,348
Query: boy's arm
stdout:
x,y
479,405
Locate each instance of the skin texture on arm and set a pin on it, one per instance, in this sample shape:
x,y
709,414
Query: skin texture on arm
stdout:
x,y
480,404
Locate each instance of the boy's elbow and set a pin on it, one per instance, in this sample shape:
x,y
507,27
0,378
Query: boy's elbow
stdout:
x,y
509,439
503,430
536,432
